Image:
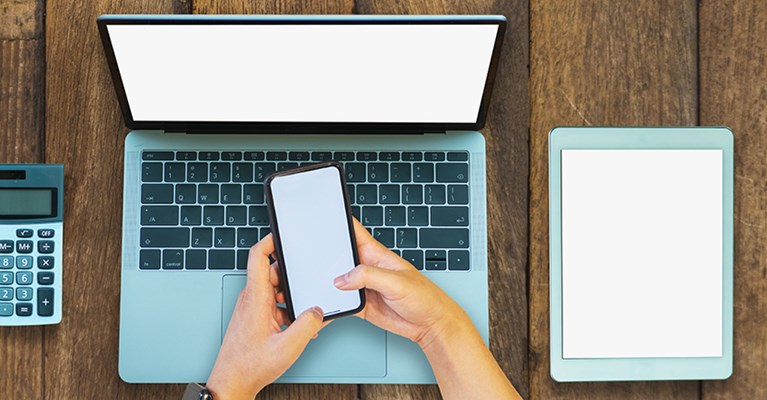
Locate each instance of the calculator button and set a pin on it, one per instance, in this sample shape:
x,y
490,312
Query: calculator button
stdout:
x,y
45,262
23,309
23,233
24,294
23,262
24,278
6,293
6,262
6,278
45,302
44,278
6,246
45,246
6,309
45,233
24,246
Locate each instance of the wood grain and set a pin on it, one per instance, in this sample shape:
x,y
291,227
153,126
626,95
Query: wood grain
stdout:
x,y
506,134
601,63
733,92
21,19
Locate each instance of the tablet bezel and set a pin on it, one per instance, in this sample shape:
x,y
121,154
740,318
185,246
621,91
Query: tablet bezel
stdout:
x,y
634,369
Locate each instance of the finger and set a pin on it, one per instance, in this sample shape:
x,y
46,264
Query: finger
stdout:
x,y
281,316
387,282
361,235
298,334
279,297
258,266
274,275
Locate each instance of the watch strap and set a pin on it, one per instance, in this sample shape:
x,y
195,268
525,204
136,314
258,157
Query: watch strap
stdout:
x,y
195,391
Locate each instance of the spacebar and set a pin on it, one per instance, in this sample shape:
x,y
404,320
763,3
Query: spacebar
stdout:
x,y
164,237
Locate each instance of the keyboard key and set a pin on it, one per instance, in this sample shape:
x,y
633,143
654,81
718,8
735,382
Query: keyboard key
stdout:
x,y
418,216
412,194
191,215
355,172
366,194
412,156
458,260
207,194
298,156
414,257
231,156
24,293
6,278
258,215
231,194
385,236
400,172
350,192
242,172
236,215
6,309
175,172
357,212
286,165
149,259
452,172
407,238
24,262
44,278
27,233
224,237
45,247
276,155
24,278
45,262
388,194
263,170
423,172
197,172
172,259
263,232
446,238
253,194
367,156
394,216
157,155
186,193
159,215
242,259
6,262
321,156
436,265
372,216
202,237
6,246
457,156
24,246
213,215
254,156
186,155
164,237
219,172
209,156
221,259
23,309
156,193
247,237
6,294
434,156
435,255
151,172
449,216
434,194
343,156
457,194
388,156
378,172
196,259
45,301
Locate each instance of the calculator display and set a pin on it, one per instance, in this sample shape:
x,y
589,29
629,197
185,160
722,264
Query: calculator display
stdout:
x,y
27,203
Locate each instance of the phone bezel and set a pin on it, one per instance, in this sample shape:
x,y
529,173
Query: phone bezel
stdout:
x,y
278,243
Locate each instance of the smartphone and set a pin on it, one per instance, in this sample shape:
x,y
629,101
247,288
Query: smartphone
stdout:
x,y
313,233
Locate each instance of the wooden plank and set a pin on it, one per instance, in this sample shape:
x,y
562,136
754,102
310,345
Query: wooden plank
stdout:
x,y
506,134
601,63
733,92
21,19
85,131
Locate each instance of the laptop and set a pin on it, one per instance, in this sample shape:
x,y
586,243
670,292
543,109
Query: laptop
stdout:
x,y
215,104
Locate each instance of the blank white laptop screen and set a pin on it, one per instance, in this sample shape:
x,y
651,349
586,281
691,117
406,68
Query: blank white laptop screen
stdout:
x,y
641,253
409,73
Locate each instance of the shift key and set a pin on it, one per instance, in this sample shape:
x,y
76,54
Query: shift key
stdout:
x,y
445,238
164,237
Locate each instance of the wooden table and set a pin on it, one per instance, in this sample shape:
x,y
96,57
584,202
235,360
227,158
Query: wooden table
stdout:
x,y
648,62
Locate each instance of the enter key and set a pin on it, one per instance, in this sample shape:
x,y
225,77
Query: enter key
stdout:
x,y
449,216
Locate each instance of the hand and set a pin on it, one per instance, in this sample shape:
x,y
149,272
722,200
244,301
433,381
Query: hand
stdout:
x,y
256,350
400,299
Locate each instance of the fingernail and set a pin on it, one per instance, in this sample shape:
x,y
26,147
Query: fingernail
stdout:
x,y
317,311
341,280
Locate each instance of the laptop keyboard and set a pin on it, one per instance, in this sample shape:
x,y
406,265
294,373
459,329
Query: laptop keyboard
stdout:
x,y
204,210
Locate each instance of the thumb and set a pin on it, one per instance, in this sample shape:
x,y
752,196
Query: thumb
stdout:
x,y
298,334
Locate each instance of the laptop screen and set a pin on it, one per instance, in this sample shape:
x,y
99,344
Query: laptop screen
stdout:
x,y
408,73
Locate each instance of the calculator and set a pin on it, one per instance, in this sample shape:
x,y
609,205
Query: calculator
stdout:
x,y
31,237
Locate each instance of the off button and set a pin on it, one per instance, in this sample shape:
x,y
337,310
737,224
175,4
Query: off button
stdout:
x,y
45,233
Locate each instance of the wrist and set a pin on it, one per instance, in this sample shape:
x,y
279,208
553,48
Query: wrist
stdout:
x,y
454,330
231,389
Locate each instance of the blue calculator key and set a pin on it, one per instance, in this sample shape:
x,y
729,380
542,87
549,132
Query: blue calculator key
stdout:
x,y
24,246
24,262
45,262
6,293
6,309
45,278
23,309
45,302
6,246
24,294
24,278
45,246
6,278
23,232
6,262
44,233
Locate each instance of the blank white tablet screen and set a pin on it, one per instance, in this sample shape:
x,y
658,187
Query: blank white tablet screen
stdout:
x,y
641,253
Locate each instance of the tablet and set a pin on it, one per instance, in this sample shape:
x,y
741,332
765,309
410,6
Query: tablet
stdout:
x,y
640,234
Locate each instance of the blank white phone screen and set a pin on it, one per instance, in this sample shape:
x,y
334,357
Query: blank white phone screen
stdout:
x,y
316,242
641,253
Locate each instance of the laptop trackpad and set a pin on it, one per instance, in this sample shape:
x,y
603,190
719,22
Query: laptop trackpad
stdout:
x,y
348,347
